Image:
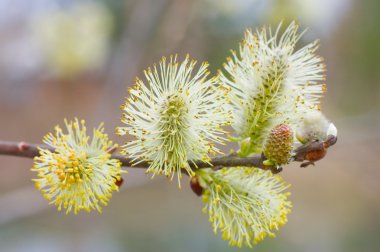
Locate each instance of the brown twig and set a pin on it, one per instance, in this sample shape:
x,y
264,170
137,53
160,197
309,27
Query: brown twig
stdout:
x,y
310,152
22,149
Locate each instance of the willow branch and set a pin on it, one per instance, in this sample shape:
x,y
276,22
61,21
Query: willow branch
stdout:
x,y
310,153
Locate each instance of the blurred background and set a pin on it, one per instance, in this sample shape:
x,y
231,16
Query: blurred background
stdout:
x,y
61,59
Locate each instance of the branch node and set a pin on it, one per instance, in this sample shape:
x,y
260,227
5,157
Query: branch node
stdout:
x,y
22,146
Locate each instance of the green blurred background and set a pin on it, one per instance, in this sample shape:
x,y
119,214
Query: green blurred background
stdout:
x,y
60,59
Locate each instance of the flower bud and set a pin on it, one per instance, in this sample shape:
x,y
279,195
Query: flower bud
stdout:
x,y
279,144
315,127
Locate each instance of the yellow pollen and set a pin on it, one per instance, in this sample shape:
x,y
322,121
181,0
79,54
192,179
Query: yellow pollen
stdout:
x,y
73,170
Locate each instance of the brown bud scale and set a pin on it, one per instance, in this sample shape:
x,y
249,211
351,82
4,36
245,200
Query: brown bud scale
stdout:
x,y
195,186
119,182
